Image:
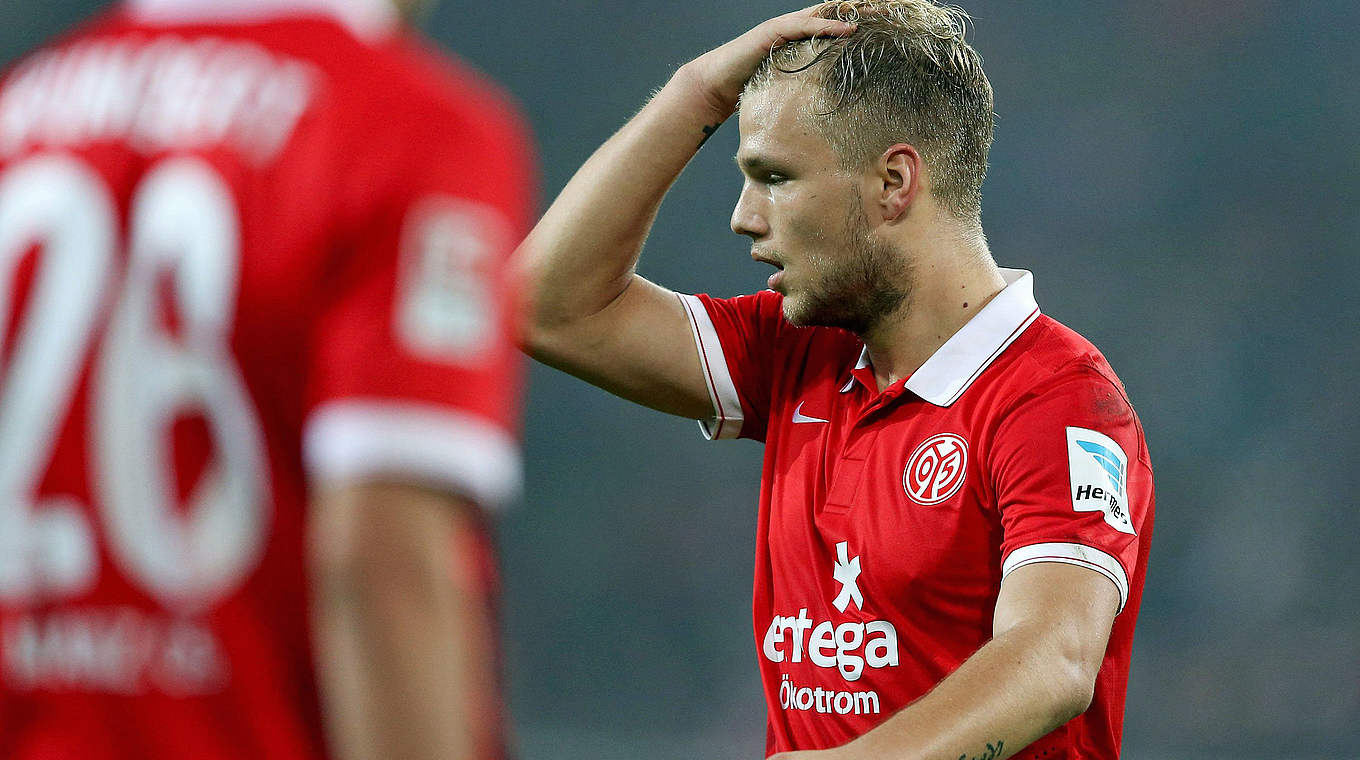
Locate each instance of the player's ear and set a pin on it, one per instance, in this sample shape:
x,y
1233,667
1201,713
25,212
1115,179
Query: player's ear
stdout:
x,y
899,176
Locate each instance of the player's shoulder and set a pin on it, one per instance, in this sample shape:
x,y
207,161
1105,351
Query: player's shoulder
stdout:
x,y
444,80
1052,364
399,90
434,106
398,70
1051,352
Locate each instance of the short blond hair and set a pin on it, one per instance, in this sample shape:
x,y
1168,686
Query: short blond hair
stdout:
x,y
906,74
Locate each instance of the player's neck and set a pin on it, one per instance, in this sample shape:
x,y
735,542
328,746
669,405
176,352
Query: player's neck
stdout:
x,y
952,282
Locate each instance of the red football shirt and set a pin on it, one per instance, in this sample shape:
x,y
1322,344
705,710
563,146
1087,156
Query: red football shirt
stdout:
x,y
243,245
888,521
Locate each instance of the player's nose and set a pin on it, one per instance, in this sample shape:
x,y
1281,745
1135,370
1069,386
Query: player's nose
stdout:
x,y
747,217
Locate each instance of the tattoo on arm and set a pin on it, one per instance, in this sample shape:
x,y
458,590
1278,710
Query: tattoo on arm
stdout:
x,y
992,752
708,132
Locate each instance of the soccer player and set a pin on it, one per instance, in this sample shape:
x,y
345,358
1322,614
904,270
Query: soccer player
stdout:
x,y
956,500
256,361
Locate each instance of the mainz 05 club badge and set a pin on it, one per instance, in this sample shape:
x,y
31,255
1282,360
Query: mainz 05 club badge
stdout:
x,y
936,469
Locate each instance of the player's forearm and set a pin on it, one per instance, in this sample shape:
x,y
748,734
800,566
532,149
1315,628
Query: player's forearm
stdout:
x,y
397,640
1017,688
392,679
582,253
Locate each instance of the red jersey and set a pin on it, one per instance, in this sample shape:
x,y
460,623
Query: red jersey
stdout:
x,y
237,255
888,521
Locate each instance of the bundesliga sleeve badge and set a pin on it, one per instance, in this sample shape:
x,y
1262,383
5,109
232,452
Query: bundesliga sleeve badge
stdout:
x,y
1099,469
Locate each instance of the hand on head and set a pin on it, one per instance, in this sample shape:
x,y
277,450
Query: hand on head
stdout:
x,y
721,73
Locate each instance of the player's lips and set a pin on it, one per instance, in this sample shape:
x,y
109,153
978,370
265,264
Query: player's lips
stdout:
x,y
774,280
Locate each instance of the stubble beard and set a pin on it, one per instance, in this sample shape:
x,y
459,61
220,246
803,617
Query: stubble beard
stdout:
x,y
855,291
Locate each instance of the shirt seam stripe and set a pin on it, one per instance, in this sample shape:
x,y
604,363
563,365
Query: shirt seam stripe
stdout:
x,y
715,396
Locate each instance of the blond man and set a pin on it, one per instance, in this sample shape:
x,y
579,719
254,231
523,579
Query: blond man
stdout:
x,y
956,502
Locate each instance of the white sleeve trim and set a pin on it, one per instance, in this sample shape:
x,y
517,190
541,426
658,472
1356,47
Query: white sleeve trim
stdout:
x,y
354,439
1071,554
727,415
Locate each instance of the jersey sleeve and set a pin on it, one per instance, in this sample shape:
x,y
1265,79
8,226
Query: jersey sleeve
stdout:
x,y
1071,477
414,373
737,340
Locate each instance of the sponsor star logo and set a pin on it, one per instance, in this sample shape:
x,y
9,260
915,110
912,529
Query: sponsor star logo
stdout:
x,y
849,646
846,573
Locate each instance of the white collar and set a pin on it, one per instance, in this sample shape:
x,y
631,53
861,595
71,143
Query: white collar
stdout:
x,y
368,19
955,365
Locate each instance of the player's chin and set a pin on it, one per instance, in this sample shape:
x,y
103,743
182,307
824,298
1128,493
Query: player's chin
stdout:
x,y
796,308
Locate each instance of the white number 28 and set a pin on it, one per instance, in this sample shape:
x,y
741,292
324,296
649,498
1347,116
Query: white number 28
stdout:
x,y
184,228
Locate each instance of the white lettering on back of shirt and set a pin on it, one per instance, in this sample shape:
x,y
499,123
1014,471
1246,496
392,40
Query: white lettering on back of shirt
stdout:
x,y
155,94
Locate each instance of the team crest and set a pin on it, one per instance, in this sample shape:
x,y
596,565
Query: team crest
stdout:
x,y
936,470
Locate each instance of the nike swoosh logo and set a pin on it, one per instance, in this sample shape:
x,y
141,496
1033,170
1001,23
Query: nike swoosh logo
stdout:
x,y
798,415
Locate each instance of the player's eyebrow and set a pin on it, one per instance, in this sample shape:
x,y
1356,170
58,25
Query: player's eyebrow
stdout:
x,y
752,163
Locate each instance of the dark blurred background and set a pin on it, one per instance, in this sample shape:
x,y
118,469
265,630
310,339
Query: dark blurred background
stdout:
x,y
1183,177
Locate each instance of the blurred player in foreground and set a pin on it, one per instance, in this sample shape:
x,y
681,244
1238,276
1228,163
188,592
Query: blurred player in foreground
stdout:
x,y
956,501
254,350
